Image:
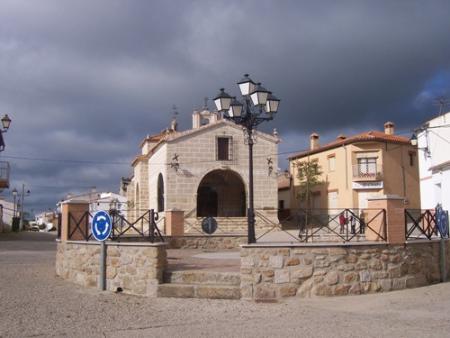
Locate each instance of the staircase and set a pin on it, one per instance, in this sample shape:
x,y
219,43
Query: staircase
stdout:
x,y
200,284
228,225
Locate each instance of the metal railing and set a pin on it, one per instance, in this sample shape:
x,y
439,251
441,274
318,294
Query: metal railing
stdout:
x,y
334,225
144,227
367,172
422,224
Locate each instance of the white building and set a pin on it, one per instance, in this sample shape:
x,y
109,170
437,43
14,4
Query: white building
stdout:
x,y
101,201
433,142
7,209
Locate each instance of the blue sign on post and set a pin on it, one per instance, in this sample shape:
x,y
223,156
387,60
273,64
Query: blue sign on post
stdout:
x,y
101,226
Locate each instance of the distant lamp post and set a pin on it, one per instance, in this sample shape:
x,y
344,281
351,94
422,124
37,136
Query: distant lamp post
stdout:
x,y
259,105
413,139
6,122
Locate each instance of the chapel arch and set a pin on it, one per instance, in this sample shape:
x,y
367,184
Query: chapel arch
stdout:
x,y
221,193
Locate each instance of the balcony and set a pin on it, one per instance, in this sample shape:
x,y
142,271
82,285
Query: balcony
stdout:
x,y
371,172
4,174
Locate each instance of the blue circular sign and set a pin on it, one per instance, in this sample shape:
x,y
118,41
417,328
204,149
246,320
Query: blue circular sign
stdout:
x,y
101,226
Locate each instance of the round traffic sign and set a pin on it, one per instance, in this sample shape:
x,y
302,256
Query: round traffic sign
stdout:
x,y
209,225
101,226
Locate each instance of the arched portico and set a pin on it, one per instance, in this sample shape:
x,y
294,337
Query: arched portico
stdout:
x,y
221,193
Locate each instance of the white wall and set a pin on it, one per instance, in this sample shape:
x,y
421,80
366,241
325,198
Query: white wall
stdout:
x,y
8,210
434,162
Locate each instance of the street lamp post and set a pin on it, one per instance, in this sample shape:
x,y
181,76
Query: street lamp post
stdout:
x,y
259,106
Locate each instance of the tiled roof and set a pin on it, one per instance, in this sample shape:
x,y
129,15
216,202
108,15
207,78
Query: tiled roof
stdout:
x,y
283,182
369,136
157,137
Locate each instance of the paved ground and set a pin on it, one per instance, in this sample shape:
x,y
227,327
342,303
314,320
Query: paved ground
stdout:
x,y
35,303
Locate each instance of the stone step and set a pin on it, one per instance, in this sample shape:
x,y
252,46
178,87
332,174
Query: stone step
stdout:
x,y
202,277
199,291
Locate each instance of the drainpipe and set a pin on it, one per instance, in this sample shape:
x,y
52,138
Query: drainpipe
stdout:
x,y
346,166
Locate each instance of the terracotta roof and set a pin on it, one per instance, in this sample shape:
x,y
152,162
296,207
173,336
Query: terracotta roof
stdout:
x,y
369,136
157,137
283,182
139,158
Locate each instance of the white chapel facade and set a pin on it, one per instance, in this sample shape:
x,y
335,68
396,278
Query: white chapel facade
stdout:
x,y
203,171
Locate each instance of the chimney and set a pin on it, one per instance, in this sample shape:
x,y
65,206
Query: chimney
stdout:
x,y
214,117
389,128
314,141
196,120
341,137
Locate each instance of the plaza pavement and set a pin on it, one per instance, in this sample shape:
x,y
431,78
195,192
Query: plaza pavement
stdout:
x,y
36,303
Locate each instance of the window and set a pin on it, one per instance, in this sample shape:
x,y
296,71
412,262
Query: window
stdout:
x,y
332,199
332,163
160,189
281,204
223,148
367,166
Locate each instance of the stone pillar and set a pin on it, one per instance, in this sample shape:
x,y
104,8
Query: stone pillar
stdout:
x,y
174,222
77,210
395,218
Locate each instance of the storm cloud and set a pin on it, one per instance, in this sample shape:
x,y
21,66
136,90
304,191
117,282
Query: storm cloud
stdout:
x,y
87,80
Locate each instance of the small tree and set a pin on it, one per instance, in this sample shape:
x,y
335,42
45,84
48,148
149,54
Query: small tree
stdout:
x,y
308,174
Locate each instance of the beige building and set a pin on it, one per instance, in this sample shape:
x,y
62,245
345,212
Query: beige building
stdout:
x,y
203,171
358,167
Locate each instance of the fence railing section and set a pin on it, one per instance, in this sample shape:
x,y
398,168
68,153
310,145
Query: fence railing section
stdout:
x,y
144,227
422,224
335,225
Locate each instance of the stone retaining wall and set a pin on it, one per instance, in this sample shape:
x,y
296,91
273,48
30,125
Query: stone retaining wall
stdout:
x,y
208,242
272,272
137,268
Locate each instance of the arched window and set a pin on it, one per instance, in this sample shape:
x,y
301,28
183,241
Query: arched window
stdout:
x,y
137,202
160,193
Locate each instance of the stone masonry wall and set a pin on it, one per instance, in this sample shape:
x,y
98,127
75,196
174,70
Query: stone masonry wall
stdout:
x,y
136,268
271,272
206,242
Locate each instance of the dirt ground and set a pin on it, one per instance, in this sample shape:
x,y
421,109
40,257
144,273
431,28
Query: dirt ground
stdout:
x,y
36,303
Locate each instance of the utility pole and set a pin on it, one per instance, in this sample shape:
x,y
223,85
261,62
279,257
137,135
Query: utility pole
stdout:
x,y
21,206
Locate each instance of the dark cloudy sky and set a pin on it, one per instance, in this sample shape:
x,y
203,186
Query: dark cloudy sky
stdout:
x,y
86,80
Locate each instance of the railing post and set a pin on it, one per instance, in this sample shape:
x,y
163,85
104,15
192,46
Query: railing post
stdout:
x,y
174,222
70,211
152,225
395,212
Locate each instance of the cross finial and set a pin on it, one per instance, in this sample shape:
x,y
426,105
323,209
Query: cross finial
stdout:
x,y
205,105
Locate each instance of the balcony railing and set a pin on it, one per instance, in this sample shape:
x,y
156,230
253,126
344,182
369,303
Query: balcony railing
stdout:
x,y
367,172
4,174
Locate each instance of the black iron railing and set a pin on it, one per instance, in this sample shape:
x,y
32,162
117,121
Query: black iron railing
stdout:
x,y
422,224
335,225
144,227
